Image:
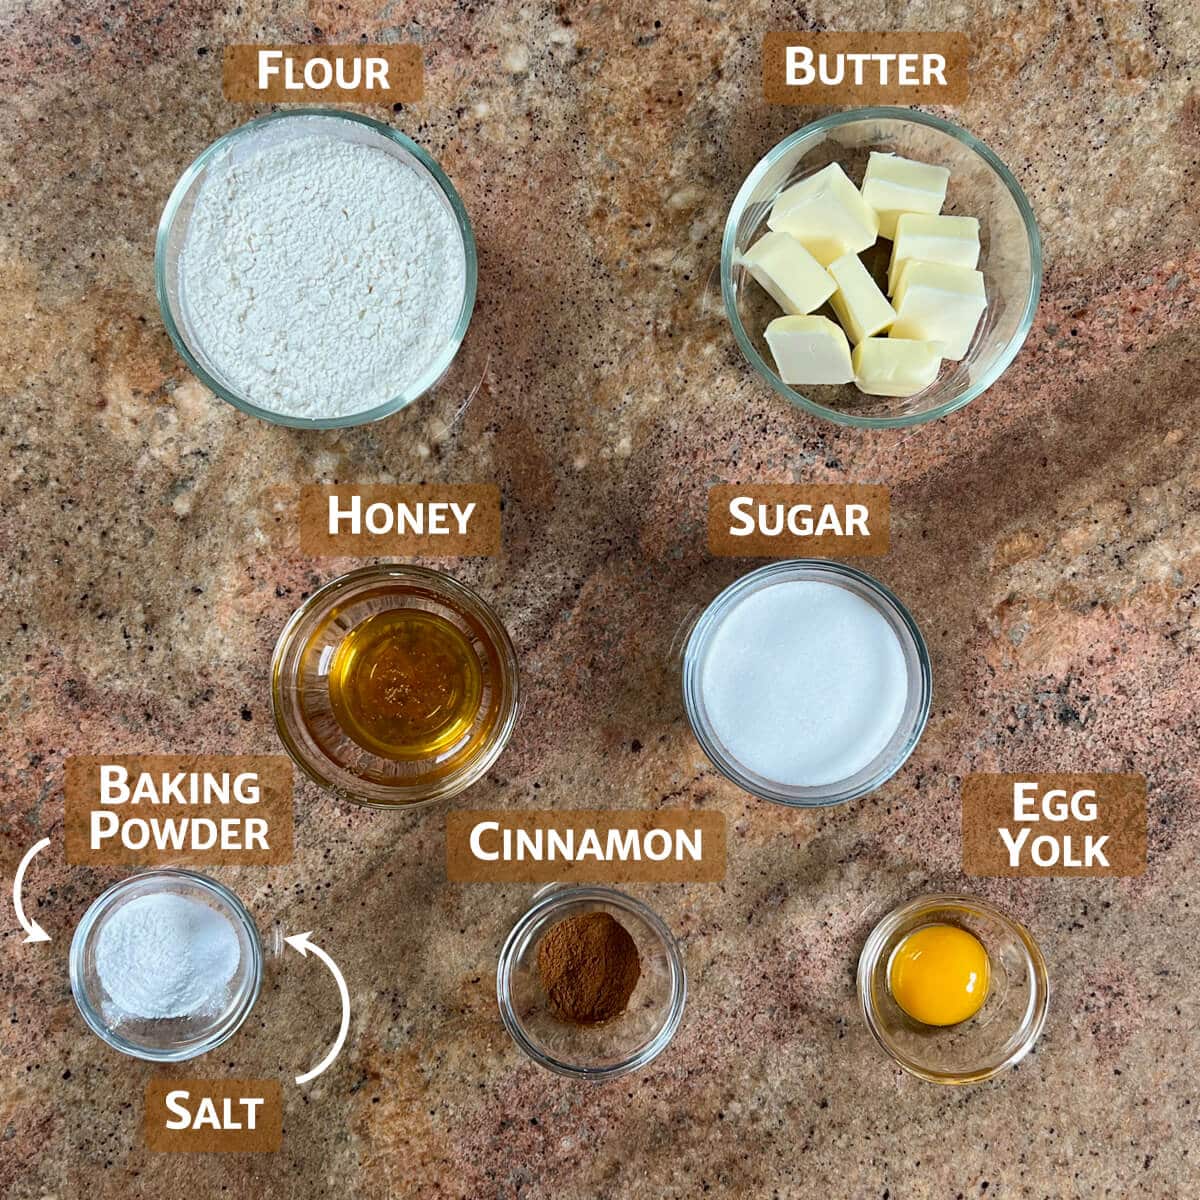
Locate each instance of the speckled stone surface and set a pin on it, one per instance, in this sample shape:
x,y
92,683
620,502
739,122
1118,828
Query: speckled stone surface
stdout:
x,y
1046,538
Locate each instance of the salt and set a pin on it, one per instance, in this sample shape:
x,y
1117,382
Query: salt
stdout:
x,y
166,955
804,683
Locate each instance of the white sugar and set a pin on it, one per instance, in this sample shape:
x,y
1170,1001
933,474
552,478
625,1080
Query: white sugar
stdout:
x,y
165,955
319,277
804,683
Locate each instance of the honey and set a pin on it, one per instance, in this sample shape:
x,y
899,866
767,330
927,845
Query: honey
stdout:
x,y
405,684
394,685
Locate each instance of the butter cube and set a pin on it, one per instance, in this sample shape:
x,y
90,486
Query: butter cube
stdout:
x,y
809,350
894,366
939,303
827,213
795,280
893,186
860,306
950,240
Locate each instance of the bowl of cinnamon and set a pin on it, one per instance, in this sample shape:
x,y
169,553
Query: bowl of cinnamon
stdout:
x,y
590,982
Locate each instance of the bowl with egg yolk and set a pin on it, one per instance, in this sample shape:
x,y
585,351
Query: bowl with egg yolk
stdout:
x,y
952,988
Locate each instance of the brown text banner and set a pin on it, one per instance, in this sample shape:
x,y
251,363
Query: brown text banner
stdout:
x,y
352,74
793,520
207,1115
1057,823
585,846
800,67
156,810
443,520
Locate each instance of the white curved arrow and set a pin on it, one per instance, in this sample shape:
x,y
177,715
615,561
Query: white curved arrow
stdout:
x,y
300,941
33,931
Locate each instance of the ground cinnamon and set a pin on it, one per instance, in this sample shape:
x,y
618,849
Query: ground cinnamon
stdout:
x,y
588,966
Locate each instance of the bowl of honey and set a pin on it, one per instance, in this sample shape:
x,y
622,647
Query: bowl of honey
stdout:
x,y
394,686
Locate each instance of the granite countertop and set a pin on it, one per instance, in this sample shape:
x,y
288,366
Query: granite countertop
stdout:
x,y
1045,538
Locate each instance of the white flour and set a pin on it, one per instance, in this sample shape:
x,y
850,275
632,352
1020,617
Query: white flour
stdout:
x,y
320,278
166,955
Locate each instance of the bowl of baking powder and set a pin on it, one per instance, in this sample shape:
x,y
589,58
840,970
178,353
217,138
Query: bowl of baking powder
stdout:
x,y
316,269
166,965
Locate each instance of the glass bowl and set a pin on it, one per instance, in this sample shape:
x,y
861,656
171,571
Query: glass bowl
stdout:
x,y
980,186
300,692
272,130
916,706
617,1046
169,1039
999,1035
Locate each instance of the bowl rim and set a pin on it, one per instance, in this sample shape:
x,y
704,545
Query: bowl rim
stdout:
x,y
102,904
1039,999
803,568
833,121
436,368
441,581
546,901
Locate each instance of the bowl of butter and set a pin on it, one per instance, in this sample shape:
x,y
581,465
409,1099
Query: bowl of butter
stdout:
x,y
880,267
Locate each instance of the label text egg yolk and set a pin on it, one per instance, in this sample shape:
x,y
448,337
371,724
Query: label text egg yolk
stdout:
x,y
939,975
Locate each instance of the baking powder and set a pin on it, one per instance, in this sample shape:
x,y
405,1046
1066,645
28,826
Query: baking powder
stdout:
x,y
320,278
166,955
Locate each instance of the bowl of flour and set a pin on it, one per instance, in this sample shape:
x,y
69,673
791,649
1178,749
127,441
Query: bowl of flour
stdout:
x,y
166,965
316,269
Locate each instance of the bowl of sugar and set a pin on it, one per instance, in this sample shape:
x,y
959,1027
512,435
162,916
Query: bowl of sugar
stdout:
x,y
316,269
166,965
813,257
807,683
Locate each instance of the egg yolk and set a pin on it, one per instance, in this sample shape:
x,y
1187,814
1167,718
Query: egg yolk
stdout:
x,y
939,975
